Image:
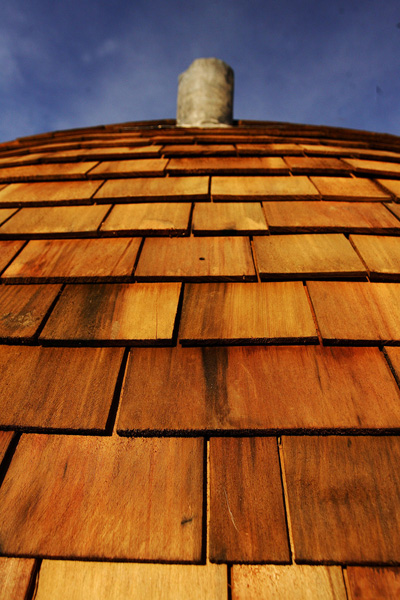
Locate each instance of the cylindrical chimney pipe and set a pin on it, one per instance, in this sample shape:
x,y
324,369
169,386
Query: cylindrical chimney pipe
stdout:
x,y
205,94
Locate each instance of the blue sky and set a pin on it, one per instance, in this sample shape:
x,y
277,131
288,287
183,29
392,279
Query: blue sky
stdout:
x,y
70,63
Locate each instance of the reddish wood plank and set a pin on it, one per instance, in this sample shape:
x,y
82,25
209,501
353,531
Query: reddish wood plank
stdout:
x,y
8,249
23,308
199,150
233,218
48,192
151,167
259,389
5,213
343,498
367,583
374,167
196,259
367,313
5,439
115,314
233,313
343,217
105,153
110,498
50,221
231,164
69,580
307,256
258,188
349,188
149,189
57,388
297,582
314,165
381,254
247,514
15,577
46,172
74,260
269,149
156,218
392,185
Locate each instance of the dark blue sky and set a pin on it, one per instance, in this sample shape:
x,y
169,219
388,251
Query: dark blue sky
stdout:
x,y
70,63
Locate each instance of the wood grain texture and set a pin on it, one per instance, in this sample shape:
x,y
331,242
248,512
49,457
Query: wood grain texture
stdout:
x,y
349,188
258,188
152,167
48,192
158,218
115,152
234,313
258,389
374,167
196,259
23,308
5,439
114,314
343,498
233,218
55,221
199,150
69,580
108,497
325,150
15,577
57,388
363,313
313,165
297,582
394,208
367,583
8,249
312,256
46,172
74,260
269,149
381,254
247,514
5,213
227,165
392,185
149,189
342,217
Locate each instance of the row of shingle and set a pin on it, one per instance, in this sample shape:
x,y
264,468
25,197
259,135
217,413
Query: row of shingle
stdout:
x,y
92,497
213,313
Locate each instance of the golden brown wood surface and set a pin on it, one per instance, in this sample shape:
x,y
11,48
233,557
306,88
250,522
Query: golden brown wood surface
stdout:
x,y
199,150
149,189
222,218
308,165
120,152
381,254
196,258
70,580
218,313
312,256
257,188
393,185
15,577
297,582
48,192
343,498
356,312
349,188
46,172
247,514
23,308
129,168
374,167
231,164
116,314
341,217
266,389
5,439
8,249
5,213
368,583
60,388
268,149
55,221
103,497
158,218
74,260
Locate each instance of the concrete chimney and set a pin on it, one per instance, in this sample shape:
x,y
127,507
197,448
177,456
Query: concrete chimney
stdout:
x,y
205,94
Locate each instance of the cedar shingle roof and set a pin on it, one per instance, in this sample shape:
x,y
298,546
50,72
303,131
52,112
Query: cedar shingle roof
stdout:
x,y
200,363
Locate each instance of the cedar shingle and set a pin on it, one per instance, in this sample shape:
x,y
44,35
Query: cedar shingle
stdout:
x,y
230,218
48,192
15,577
163,189
257,188
8,249
148,219
372,583
151,167
377,168
348,189
5,439
308,165
235,164
46,172
381,254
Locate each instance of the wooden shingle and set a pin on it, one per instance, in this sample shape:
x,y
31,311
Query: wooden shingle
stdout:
x,y
161,190
16,576
229,218
227,165
48,193
259,188
348,189
151,167
156,218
